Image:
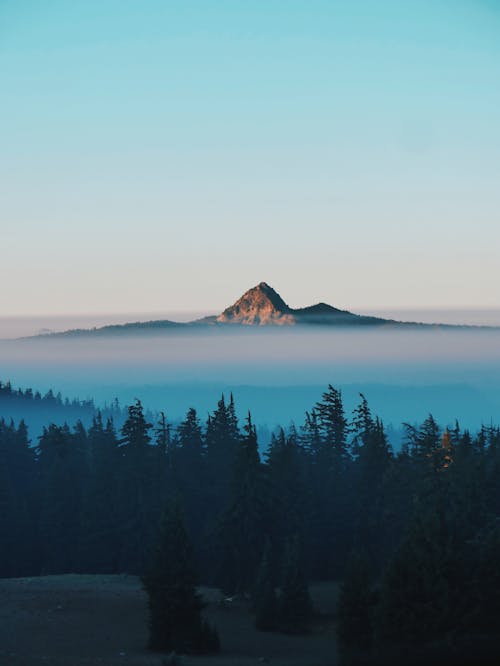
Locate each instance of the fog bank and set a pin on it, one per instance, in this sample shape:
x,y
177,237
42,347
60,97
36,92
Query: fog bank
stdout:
x,y
275,372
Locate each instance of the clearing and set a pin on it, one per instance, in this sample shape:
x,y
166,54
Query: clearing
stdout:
x,y
84,620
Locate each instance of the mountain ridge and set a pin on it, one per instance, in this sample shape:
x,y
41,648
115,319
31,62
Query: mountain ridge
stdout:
x,y
261,306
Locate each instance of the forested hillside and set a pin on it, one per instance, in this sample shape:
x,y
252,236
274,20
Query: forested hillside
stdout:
x,y
37,410
415,536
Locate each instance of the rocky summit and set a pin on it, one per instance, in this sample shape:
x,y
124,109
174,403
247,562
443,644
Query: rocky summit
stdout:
x,y
263,306
260,305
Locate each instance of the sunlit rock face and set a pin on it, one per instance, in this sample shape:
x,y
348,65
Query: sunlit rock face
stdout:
x,y
261,306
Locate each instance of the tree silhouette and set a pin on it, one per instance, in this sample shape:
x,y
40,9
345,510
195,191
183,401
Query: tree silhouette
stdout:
x,y
174,604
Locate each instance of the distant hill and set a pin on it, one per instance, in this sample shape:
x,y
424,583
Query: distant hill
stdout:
x,y
263,306
259,306
38,410
159,325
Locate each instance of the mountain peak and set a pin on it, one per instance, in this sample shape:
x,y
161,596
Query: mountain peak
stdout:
x,y
259,305
262,305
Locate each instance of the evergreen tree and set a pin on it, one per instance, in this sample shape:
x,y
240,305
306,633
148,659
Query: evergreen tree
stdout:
x,y
19,555
222,445
136,500
245,523
135,430
61,465
425,592
264,598
164,466
355,606
100,535
424,442
290,494
174,604
331,530
373,456
333,427
191,473
486,585
295,603
10,514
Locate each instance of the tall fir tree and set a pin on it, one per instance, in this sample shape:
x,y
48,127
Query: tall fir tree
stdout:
x,y
175,621
100,535
265,602
295,607
244,525
355,606
136,501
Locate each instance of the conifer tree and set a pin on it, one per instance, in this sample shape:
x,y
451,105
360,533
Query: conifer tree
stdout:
x,y
425,591
373,456
330,529
135,430
264,597
190,450
174,604
245,523
290,497
19,488
355,606
333,426
424,442
164,472
295,603
99,537
137,503
61,466
9,514
222,445
191,474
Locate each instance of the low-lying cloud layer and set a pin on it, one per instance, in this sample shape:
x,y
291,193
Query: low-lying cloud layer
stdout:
x,y
200,363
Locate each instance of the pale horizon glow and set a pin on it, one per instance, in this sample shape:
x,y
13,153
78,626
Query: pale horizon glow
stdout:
x,y
166,157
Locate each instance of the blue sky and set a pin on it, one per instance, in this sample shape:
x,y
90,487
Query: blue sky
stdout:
x,y
167,155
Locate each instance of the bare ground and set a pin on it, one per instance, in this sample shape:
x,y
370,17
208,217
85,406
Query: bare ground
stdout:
x,y
83,620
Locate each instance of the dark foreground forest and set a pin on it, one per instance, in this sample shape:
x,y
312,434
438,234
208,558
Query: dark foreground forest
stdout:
x,y
411,539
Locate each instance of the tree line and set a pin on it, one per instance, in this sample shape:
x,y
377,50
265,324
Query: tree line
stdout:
x,y
38,409
413,535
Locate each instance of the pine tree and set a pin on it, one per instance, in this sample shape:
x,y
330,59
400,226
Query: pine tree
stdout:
x,y
61,465
424,442
222,445
425,592
245,523
9,514
373,456
174,604
99,536
330,528
164,464
190,451
290,494
355,605
333,427
191,474
295,603
19,555
362,422
264,597
136,500
135,430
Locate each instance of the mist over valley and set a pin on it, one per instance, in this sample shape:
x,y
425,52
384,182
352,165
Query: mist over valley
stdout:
x,y
277,373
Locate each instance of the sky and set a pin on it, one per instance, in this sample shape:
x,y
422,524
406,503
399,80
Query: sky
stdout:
x,y
166,155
